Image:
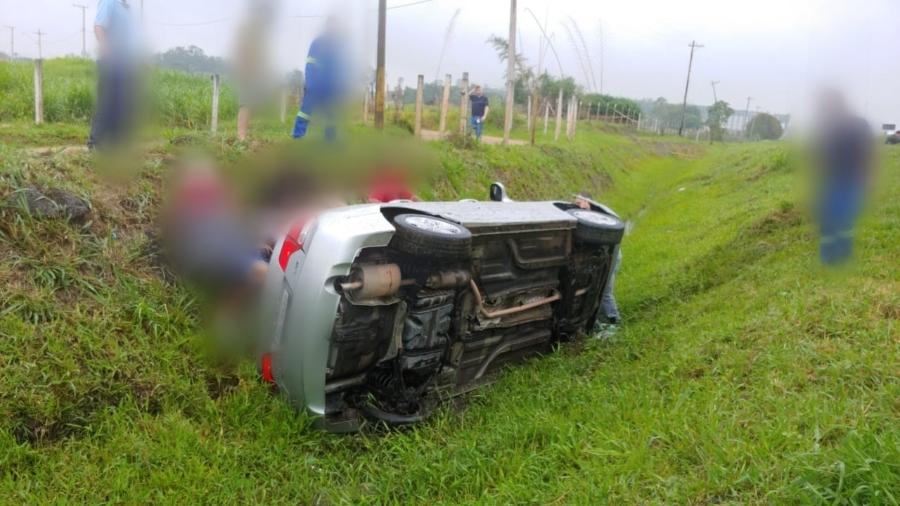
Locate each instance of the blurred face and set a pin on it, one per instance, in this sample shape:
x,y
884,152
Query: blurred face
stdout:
x,y
478,91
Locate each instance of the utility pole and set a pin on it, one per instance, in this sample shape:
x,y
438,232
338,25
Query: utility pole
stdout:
x,y
687,85
40,45
12,42
142,12
510,73
747,117
715,98
379,66
83,28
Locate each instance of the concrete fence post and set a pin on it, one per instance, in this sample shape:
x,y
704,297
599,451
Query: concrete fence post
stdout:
x,y
38,91
445,105
214,121
420,92
559,108
546,115
528,109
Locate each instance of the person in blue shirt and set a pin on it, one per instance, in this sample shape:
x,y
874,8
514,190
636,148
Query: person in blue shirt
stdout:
x,y
323,86
116,73
479,106
846,164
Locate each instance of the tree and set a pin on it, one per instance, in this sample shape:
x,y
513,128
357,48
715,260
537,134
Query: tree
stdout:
x,y
624,106
549,86
765,127
524,72
717,115
191,59
669,115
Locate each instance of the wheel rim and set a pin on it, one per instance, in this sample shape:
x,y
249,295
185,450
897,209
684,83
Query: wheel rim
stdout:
x,y
433,225
596,218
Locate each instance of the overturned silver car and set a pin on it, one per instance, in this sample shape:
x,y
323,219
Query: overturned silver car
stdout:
x,y
376,312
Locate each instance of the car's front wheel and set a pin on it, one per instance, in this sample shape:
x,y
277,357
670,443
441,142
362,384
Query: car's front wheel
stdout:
x,y
419,234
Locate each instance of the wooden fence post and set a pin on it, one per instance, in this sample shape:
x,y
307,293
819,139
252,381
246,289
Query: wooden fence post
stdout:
x,y
445,105
640,117
559,106
38,91
214,121
420,92
464,103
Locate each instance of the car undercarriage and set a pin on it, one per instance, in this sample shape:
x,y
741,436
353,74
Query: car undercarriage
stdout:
x,y
456,294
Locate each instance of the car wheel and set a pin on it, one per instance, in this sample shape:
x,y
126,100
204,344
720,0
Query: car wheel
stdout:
x,y
419,234
597,228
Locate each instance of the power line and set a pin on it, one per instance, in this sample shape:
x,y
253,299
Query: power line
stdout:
x,y
297,16
199,23
687,85
410,4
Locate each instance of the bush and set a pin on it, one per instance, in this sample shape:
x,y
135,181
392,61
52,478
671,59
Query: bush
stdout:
x,y
764,127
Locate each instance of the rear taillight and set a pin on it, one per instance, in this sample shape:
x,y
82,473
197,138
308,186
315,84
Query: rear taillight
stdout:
x,y
293,242
265,367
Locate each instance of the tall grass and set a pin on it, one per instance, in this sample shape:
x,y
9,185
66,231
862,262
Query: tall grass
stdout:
x,y
176,99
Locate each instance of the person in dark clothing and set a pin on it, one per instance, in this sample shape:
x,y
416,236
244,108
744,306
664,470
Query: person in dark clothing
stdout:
x,y
117,72
608,307
324,82
480,108
844,151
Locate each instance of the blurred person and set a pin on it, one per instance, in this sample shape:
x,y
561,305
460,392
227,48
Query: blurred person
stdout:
x,y
388,184
608,306
479,107
251,62
117,71
323,86
845,165
207,236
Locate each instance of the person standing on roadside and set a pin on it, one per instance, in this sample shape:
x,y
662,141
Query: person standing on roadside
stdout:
x,y
117,71
324,84
845,156
251,66
480,108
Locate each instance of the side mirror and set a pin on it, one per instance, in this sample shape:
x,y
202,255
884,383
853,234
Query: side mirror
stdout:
x,y
498,193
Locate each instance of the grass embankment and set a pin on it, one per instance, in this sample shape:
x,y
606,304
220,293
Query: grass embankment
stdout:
x,y
744,372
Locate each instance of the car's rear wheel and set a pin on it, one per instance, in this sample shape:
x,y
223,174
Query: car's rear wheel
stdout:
x,y
597,228
419,234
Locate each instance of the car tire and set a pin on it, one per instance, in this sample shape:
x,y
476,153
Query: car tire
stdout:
x,y
420,234
597,228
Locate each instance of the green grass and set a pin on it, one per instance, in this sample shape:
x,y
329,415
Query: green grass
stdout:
x,y
176,99
744,374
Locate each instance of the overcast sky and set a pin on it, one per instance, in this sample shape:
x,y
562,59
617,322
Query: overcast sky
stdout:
x,y
776,51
